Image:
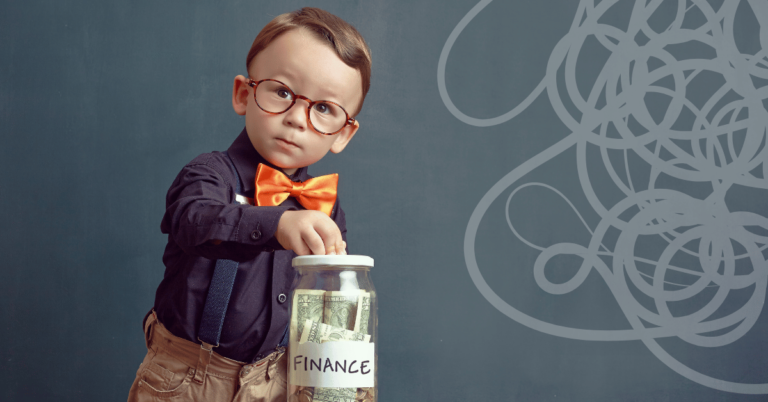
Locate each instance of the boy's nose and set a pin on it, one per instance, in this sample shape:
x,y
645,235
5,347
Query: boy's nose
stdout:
x,y
296,116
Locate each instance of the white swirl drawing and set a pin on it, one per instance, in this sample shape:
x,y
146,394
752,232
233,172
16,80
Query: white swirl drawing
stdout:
x,y
725,146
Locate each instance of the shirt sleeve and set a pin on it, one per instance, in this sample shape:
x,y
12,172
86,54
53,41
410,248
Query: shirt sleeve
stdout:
x,y
341,222
200,209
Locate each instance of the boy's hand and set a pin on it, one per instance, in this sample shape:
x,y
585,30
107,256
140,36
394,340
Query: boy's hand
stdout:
x,y
309,232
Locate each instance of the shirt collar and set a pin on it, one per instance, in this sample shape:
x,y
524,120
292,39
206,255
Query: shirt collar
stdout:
x,y
246,159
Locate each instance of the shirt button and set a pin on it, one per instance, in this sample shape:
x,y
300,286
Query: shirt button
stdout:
x,y
282,298
256,234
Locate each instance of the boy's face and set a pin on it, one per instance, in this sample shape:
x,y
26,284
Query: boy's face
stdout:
x,y
310,68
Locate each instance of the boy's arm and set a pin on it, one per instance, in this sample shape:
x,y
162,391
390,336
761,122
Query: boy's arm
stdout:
x,y
341,222
202,219
200,213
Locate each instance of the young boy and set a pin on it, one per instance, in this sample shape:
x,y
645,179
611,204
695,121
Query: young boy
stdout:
x,y
235,220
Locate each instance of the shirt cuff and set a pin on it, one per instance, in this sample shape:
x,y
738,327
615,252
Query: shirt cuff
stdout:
x,y
258,224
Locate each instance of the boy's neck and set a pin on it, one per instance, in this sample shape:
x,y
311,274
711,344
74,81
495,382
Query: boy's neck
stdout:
x,y
289,172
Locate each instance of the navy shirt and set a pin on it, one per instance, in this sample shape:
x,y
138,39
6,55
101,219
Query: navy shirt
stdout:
x,y
200,208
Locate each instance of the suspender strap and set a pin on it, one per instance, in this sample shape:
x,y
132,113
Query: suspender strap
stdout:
x,y
284,342
216,303
218,292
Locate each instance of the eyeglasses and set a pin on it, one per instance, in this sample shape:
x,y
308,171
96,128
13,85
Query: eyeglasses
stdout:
x,y
274,97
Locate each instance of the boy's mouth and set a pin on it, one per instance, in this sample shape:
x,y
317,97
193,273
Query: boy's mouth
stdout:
x,y
286,142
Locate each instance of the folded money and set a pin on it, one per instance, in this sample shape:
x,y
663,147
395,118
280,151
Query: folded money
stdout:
x,y
340,308
318,332
363,313
329,316
307,305
334,395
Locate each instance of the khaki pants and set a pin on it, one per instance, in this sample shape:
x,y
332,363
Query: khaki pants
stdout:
x,y
179,370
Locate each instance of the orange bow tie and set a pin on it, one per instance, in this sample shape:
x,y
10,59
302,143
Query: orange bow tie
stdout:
x,y
273,187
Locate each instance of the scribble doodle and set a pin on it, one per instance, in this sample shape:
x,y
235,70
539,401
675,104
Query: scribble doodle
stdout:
x,y
723,145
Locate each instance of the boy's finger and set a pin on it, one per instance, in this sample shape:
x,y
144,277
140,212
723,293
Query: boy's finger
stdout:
x,y
340,247
314,242
300,247
330,234
305,248
331,250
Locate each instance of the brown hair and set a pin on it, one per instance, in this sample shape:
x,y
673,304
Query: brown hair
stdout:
x,y
340,35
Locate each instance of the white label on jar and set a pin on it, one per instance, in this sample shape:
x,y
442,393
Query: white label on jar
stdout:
x,y
332,364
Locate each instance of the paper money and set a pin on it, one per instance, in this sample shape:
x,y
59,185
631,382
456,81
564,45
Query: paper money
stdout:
x,y
340,308
317,332
361,326
363,313
329,316
307,305
334,395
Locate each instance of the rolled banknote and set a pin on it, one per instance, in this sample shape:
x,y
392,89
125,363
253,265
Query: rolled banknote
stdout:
x,y
318,332
363,313
307,305
339,308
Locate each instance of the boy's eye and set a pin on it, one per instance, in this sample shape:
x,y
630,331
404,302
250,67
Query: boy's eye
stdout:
x,y
283,93
323,108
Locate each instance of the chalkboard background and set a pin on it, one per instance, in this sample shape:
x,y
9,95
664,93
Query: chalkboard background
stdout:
x,y
103,102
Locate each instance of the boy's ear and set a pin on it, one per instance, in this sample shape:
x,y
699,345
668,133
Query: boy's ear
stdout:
x,y
240,95
343,137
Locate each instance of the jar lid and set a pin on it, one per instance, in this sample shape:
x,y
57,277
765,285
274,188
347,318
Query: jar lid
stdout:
x,y
333,260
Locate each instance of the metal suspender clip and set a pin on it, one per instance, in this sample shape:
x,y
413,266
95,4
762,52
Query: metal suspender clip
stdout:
x,y
203,360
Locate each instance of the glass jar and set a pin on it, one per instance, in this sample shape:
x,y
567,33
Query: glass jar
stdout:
x,y
333,330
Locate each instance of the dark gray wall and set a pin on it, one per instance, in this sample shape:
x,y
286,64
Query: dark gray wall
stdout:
x,y
603,241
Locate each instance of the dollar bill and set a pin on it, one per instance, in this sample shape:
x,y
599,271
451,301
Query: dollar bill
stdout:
x,y
363,313
317,332
307,305
328,316
334,395
340,308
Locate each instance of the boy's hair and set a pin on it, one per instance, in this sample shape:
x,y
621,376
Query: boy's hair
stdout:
x,y
340,35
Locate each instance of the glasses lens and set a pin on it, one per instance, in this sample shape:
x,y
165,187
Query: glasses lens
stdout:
x,y
273,96
327,117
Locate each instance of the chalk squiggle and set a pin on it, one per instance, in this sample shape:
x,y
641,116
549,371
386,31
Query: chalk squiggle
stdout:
x,y
724,146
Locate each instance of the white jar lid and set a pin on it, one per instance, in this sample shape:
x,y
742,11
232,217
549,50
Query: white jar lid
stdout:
x,y
333,260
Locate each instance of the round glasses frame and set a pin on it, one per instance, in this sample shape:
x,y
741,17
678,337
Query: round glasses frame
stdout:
x,y
254,84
